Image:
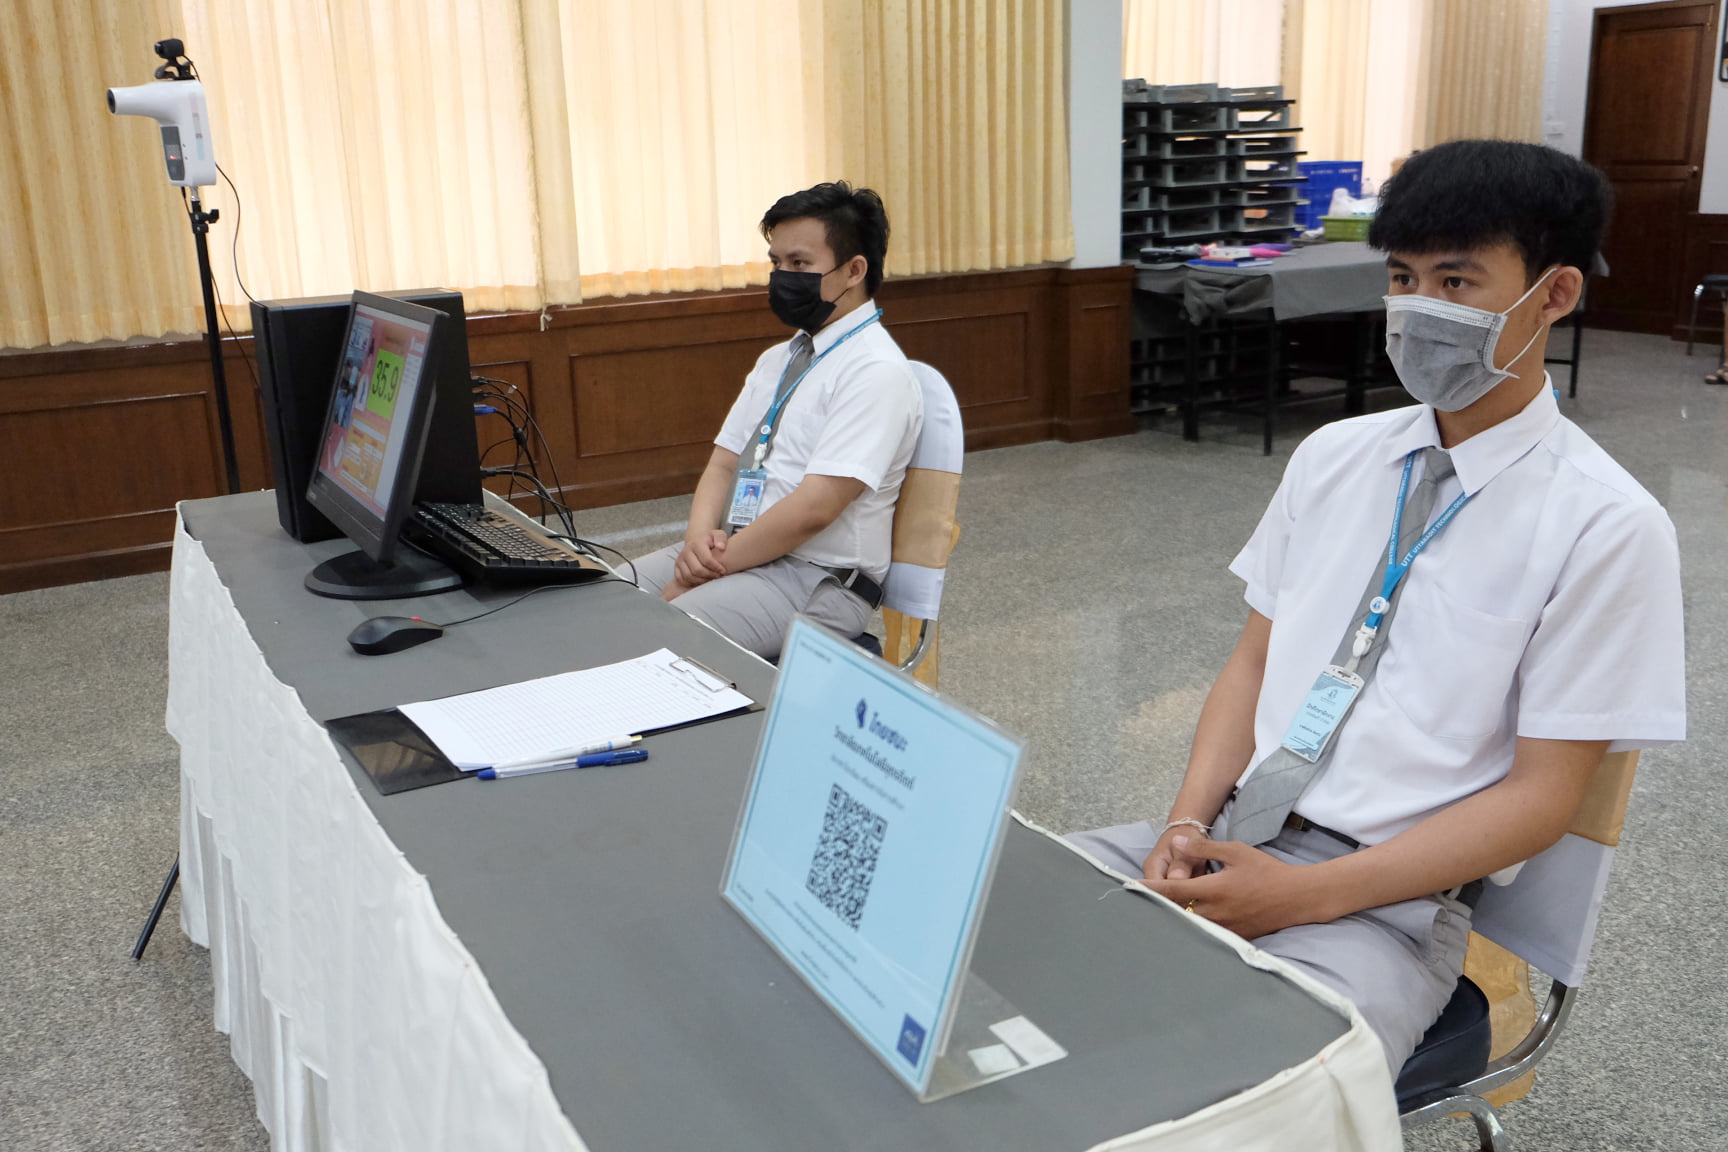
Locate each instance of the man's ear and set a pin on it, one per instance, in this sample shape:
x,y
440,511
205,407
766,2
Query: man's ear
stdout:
x,y
1565,288
857,269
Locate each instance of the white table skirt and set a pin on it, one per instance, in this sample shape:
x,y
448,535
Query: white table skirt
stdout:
x,y
364,1023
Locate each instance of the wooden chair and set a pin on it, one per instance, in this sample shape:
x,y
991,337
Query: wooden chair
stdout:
x,y
925,533
1483,1050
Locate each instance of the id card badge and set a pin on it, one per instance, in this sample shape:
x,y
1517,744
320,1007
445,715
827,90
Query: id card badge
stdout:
x,y
747,496
1321,713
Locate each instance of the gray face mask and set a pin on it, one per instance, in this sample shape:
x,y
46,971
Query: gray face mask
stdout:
x,y
1444,352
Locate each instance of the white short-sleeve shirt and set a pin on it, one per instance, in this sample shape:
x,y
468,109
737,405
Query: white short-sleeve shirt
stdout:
x,y
857,413
1549,607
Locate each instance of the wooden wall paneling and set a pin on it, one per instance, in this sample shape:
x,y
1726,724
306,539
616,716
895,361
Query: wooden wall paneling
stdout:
x,y
629,394
97,445
1094,323
649,389
994,355
510,357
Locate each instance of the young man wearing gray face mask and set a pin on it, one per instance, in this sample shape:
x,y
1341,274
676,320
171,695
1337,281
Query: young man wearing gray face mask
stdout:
x,y
795,511
1455,610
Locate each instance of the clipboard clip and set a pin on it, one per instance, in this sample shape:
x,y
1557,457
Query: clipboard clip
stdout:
x,y
701,674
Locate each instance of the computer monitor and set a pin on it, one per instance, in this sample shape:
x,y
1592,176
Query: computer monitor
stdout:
x,y
370,451
298,343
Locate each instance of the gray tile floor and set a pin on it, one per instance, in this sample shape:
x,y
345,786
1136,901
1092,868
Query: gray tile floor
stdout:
x,y
1088,609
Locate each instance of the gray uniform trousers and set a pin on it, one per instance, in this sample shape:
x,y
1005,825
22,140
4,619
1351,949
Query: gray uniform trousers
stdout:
x,y
1398,963
755,607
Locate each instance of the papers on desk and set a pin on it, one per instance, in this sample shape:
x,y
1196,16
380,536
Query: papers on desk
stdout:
x,y
541,718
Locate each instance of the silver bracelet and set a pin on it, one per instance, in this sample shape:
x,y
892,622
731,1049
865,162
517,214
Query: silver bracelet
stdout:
x,y
1205,829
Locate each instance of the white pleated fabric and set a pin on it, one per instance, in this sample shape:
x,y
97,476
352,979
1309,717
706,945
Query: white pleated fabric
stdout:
x,y
361,1019
1338,1099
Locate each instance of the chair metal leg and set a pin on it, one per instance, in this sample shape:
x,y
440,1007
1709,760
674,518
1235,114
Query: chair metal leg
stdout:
x,y
156,912
1490,1134
1692,323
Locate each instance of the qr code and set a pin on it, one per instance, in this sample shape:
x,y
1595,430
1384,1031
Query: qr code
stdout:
x,y
845,860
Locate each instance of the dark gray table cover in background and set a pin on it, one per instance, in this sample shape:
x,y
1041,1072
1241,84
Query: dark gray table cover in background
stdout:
x,y
1318,280
591,901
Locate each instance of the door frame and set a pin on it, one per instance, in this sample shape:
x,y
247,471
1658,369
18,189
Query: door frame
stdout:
x,y
1679,288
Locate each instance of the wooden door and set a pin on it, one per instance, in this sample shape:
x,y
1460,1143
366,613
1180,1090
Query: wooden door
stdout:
x,y
1651,67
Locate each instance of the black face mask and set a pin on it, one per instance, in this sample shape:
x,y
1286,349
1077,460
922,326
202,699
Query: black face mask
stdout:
x,y
796,298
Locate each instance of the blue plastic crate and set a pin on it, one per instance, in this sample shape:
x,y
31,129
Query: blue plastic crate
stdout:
x,y
1323,177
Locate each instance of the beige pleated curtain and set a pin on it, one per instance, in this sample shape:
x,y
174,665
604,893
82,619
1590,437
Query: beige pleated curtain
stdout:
x,y
1236,43
1373,79
956,112
529,152
96,241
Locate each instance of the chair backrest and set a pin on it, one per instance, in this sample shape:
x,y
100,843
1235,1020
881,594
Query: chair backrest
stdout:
x,y
1547,914
924,515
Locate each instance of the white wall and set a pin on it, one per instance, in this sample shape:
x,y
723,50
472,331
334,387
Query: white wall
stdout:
x,y
1095,131
1565,86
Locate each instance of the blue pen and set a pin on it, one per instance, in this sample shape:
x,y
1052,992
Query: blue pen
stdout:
x,y
597,760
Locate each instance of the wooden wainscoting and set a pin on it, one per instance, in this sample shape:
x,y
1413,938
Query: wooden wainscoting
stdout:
x,y
97,444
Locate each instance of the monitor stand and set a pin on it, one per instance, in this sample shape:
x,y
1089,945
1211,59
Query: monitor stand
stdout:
x,y
356,576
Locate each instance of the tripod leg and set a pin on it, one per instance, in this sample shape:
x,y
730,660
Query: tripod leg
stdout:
x,y
156,912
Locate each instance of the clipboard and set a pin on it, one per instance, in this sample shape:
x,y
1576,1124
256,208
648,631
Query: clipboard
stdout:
x,y
398,757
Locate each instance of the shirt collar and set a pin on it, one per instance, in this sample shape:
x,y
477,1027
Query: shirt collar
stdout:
x,y
1489,452
835,332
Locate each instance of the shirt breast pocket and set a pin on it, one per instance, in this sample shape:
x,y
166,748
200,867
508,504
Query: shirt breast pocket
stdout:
x,y
1450,667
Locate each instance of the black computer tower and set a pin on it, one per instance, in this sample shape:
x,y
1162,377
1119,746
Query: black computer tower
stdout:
x,y
298,343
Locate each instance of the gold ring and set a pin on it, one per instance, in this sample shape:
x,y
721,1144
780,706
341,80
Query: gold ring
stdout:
x,y
1190,907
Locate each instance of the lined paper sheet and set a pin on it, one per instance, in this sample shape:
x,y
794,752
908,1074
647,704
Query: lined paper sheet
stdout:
x,y
542,718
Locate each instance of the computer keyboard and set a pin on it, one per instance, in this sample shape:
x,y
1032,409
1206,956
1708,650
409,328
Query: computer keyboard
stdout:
x,y
488,546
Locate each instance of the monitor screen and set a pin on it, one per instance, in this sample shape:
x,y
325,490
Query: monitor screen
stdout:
x,y
374,433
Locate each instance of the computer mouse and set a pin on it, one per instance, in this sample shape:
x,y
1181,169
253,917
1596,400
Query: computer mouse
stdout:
x,y
382,634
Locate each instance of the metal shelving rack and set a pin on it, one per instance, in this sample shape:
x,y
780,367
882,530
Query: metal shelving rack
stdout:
x,y
1203,163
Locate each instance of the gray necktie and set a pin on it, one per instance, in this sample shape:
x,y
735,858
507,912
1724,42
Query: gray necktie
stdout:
x,y
803,351
1270,794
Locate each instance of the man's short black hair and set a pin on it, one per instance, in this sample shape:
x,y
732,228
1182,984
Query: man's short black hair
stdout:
x,y
1473,193
854,219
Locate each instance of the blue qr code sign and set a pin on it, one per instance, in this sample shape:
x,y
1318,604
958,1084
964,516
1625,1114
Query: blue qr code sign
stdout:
x,y
911,1040
846,855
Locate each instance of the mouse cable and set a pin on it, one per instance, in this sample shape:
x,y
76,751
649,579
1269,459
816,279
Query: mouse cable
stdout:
x,y
591,545
533,591
500,607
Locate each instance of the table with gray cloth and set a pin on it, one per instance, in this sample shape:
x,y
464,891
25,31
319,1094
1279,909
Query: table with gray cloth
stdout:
x,y
589,901
1328,279
1317,280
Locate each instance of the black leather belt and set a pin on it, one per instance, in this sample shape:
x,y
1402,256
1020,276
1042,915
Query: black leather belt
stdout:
x,y
855,581
1302,824
1466,894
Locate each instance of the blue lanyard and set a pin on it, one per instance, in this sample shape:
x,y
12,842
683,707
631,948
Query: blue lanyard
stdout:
x,y
773,416
1395,568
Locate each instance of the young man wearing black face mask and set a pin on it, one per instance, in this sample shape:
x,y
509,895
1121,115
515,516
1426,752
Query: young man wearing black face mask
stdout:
x,y
1399,721
795,510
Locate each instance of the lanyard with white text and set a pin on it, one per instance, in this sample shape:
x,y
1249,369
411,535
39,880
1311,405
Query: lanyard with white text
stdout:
x,y
773,416
1395,569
